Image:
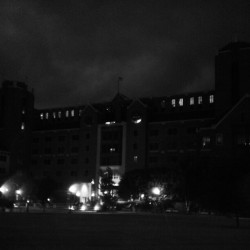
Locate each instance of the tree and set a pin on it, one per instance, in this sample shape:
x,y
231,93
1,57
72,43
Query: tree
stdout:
x,y
107,188
141,181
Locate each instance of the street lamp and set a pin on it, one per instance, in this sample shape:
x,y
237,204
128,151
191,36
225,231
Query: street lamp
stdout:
x,y
156,191
18,193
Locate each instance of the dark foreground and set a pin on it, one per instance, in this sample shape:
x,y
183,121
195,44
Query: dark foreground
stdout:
x,y
121,231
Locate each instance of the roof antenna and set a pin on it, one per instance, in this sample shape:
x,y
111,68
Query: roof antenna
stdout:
x,y
118,84
235,38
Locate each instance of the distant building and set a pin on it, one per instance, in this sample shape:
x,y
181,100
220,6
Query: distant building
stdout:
x,y
72,144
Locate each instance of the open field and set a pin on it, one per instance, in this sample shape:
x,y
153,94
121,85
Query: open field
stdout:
x,y
121,231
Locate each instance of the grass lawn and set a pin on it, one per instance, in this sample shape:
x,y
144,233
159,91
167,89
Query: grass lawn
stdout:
x,y
121,231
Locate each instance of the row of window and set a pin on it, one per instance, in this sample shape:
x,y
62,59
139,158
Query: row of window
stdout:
x,y
59,114
60,161
59,173
59,150
60,138
192,101
173,131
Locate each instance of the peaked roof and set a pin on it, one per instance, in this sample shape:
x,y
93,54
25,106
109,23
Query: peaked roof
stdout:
x,y
230,111
235,45
121,97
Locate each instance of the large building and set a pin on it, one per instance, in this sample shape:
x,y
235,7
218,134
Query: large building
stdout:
x,y
72,144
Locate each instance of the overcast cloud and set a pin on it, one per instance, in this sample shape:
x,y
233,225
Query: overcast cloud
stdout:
x,y
72,52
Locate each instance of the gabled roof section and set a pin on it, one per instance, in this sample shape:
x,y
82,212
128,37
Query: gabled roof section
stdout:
x,y
136,101
91,107
230,111
235,45
120,97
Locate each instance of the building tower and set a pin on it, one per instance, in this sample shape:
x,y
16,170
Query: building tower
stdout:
x,y
16,114
232,75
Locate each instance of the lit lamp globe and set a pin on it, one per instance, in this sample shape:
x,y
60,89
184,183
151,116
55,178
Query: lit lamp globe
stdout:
x,y
156,191
19,192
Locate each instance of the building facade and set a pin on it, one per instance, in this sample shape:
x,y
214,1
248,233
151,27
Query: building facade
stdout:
x,y
72,144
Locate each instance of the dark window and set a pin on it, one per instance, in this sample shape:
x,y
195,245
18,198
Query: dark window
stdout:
x,y
87,136
48,139
47,161
75,137
35,151
3,158
74,161
60,161
87,160
153,146
47,150
73,173
87,148
135,146
58,173
135,133
34,161
2,171
153,159
191,130
154,132
74,150
45,173
61,138
86,172
172,131
61,150
35,140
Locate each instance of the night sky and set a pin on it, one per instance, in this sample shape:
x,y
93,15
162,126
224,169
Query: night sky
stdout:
x,y
72,52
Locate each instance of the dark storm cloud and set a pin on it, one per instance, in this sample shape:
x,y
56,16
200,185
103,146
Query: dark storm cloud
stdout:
x,y
73,51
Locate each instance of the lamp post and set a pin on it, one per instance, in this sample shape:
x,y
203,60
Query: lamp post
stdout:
x,y
156,191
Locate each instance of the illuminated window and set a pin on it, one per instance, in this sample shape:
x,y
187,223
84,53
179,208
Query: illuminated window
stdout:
x,y
135,158
54,115
22,126
136,118
112,150
47,115
59,114
199,99
163,104
72,112
211,99
219,139
181,102
41,116
23,112
67,113
173,103
206,141
191,101
242,140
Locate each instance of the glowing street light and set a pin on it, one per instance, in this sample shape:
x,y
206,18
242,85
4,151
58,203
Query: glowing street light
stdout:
x,y
156,191
19,192
4,189
73,189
